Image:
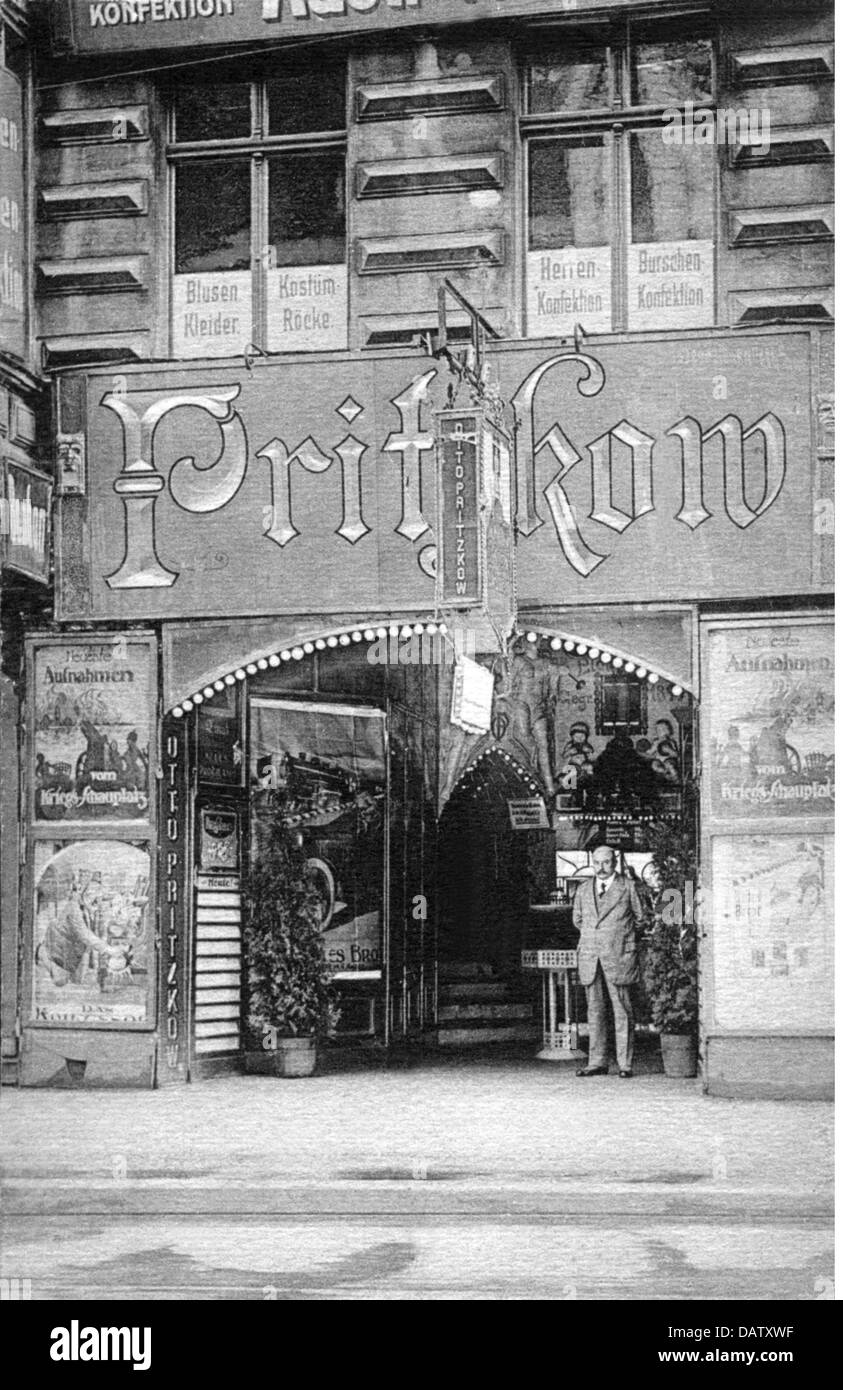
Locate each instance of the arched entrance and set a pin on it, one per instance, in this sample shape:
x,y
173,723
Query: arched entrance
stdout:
x,y
484,867
602,745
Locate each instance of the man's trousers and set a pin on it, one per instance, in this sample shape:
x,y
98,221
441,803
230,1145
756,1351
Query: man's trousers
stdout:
x,y
598,1021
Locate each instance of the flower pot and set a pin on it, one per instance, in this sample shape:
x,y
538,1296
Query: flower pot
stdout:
x,y
289,1057
295,1056
679,1054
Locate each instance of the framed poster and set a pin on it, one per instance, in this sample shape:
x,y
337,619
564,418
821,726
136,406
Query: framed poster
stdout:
x,y
772,909
91,727
219,747
92,944
324,767
771,720
219,841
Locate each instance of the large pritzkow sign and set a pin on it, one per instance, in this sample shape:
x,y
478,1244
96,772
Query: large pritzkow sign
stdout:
x,y
96,26
660,470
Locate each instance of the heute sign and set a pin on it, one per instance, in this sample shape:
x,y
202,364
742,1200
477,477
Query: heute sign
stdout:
x,y
670,470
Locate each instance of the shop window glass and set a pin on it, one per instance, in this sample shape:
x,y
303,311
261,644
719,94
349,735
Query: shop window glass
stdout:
x,y
212,217
213,111
307,208
669,73
305,99
229,237
569,194
672,189
577,80
569,259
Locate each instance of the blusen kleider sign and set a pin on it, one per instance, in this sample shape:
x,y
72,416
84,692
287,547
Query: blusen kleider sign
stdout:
x,y
678,469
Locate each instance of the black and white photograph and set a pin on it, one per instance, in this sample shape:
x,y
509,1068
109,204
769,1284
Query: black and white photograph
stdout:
x,y
417,705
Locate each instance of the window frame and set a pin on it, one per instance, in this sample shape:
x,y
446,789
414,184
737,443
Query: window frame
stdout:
x,y
616,123
257,147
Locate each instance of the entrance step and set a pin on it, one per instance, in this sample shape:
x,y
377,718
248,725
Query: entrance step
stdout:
x,y
465,970
476,989
458,1012
478,1005
481,1033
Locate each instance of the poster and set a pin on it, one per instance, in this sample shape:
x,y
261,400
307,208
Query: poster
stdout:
x,y
218,840
219,757
671,284
92,943
772,926
326,766
771,693
307,308
569,288
92,725
212,313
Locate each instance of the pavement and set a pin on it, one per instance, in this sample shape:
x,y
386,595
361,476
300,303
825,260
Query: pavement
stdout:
x,y
491,1133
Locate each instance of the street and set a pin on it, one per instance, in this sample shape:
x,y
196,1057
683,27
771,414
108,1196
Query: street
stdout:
x,y
483,1178
471,1256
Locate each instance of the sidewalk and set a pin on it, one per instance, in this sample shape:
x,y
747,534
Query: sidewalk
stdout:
x,y
508,1134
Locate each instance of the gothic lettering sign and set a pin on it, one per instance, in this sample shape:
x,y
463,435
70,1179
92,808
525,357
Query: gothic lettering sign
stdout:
x,y
642,471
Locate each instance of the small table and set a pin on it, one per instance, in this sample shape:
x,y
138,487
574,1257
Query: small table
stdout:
x,y
561,1041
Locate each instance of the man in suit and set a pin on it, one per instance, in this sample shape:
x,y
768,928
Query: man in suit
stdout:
x,y
608,915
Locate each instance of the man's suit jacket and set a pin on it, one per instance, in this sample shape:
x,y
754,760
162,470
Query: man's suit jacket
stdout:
x,y
607,928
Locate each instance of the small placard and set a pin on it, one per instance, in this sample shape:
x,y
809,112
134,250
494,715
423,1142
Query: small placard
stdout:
x,y
567,288
218,882
528,814
307,308
671,284
471,699
212,313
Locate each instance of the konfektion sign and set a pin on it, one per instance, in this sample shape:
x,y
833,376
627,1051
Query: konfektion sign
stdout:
x,y
94,26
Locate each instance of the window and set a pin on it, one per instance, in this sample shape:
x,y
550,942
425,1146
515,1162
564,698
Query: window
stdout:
x,y
621,704
620,204
259,176
14,289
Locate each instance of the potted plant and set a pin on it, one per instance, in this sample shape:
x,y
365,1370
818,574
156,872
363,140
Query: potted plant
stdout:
x,y
291,1002
670,960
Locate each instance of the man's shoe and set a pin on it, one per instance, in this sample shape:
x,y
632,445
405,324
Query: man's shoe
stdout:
x,y
593,1071
624,1074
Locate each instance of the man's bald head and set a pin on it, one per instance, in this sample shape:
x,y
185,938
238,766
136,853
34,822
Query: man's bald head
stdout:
x,y
604,860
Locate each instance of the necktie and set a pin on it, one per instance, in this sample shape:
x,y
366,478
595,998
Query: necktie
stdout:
x,y
602,889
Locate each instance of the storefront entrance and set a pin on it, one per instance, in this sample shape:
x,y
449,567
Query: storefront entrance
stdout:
x,y
483,871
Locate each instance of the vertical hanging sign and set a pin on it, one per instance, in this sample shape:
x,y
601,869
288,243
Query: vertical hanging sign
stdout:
x,y
458,454
173,1059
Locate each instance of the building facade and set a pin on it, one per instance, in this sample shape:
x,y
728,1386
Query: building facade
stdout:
x,y
25,477
442,426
